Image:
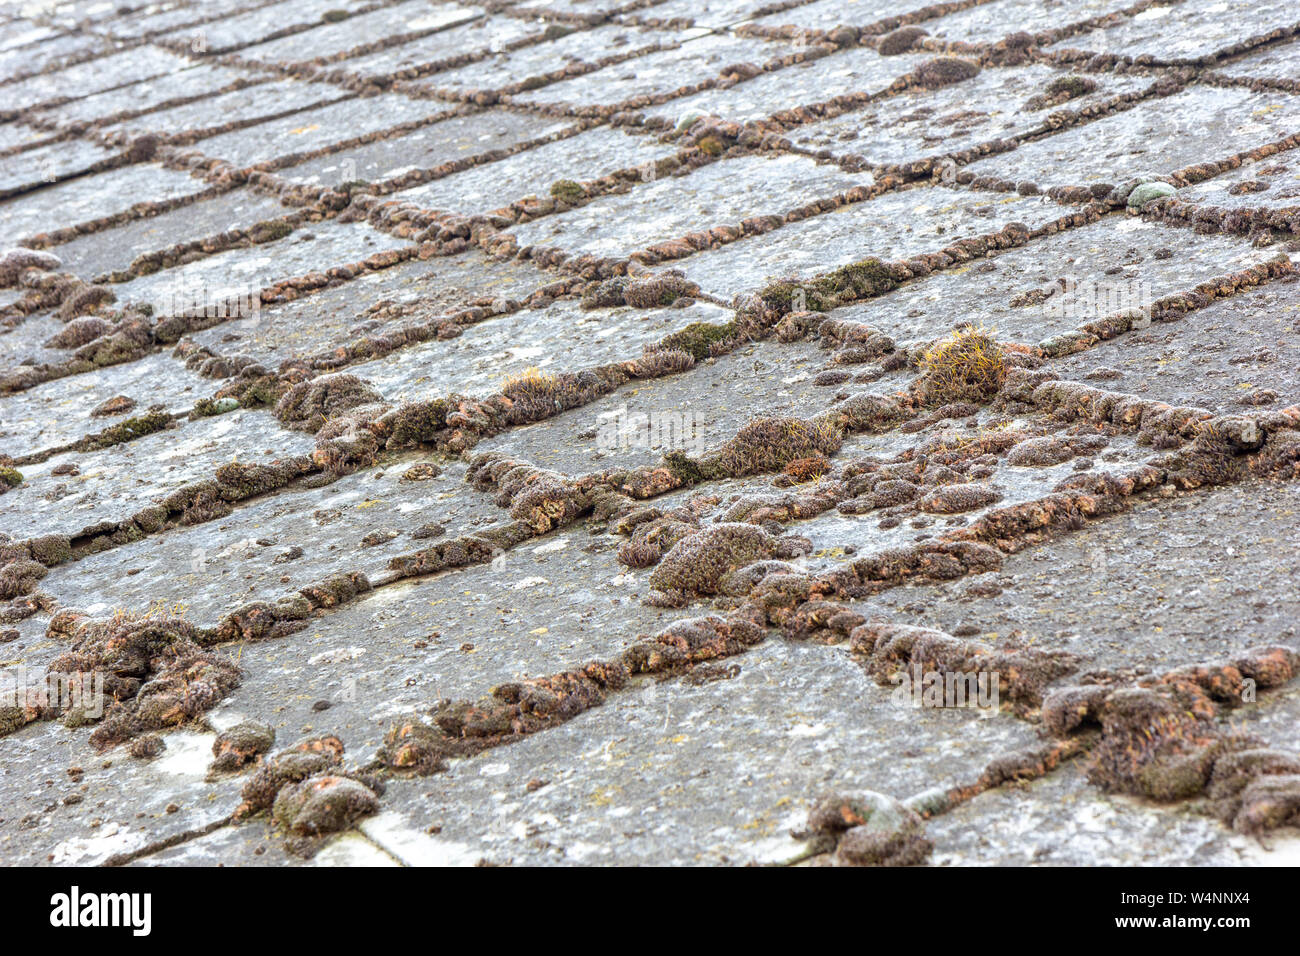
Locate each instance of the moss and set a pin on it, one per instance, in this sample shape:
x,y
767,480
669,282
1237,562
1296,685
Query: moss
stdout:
x,y
269,231
698,338
414,746
415,422
870,829
334,16
605,294
567,191
1142,194
153,668
10,477
127,430
945,70
899,41
79,332
769,444
711,145
858,280
698,562
1071,86
686,469
207,407
240,745
1039,452
308,405
50,549
806,469
957,498
660,290
968,365
307,757
13,262
147,746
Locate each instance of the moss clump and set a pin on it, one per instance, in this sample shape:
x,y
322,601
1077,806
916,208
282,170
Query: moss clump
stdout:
x,y
606,294
129,430
533,389
945,70
698,338
686,469
800,470
1071,86
308,405
567,191
79,332
1149,192
769,444
698,562
955,499
334,16
415,422
147,747
152,666
869,829
858,280
207,407
664,289
304,759
10,477
50,549
414,746
968,365
899,41
657,362
269,231
711,145
241,745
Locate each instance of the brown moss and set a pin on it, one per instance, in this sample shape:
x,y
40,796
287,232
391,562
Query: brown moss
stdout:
x,y
769,444
240,745
866,828
322,804
697,563
944,71
900,40
308,405
698,339
568,191
968,365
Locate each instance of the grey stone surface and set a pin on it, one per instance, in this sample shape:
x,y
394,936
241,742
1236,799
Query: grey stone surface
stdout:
x,y
993,105
721,760
722,192
857,70
1101,593
90,198
1158,136
1225,357
584,156
459,137
1197,28
333,317
696,60
895,225
114,249
1118,263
